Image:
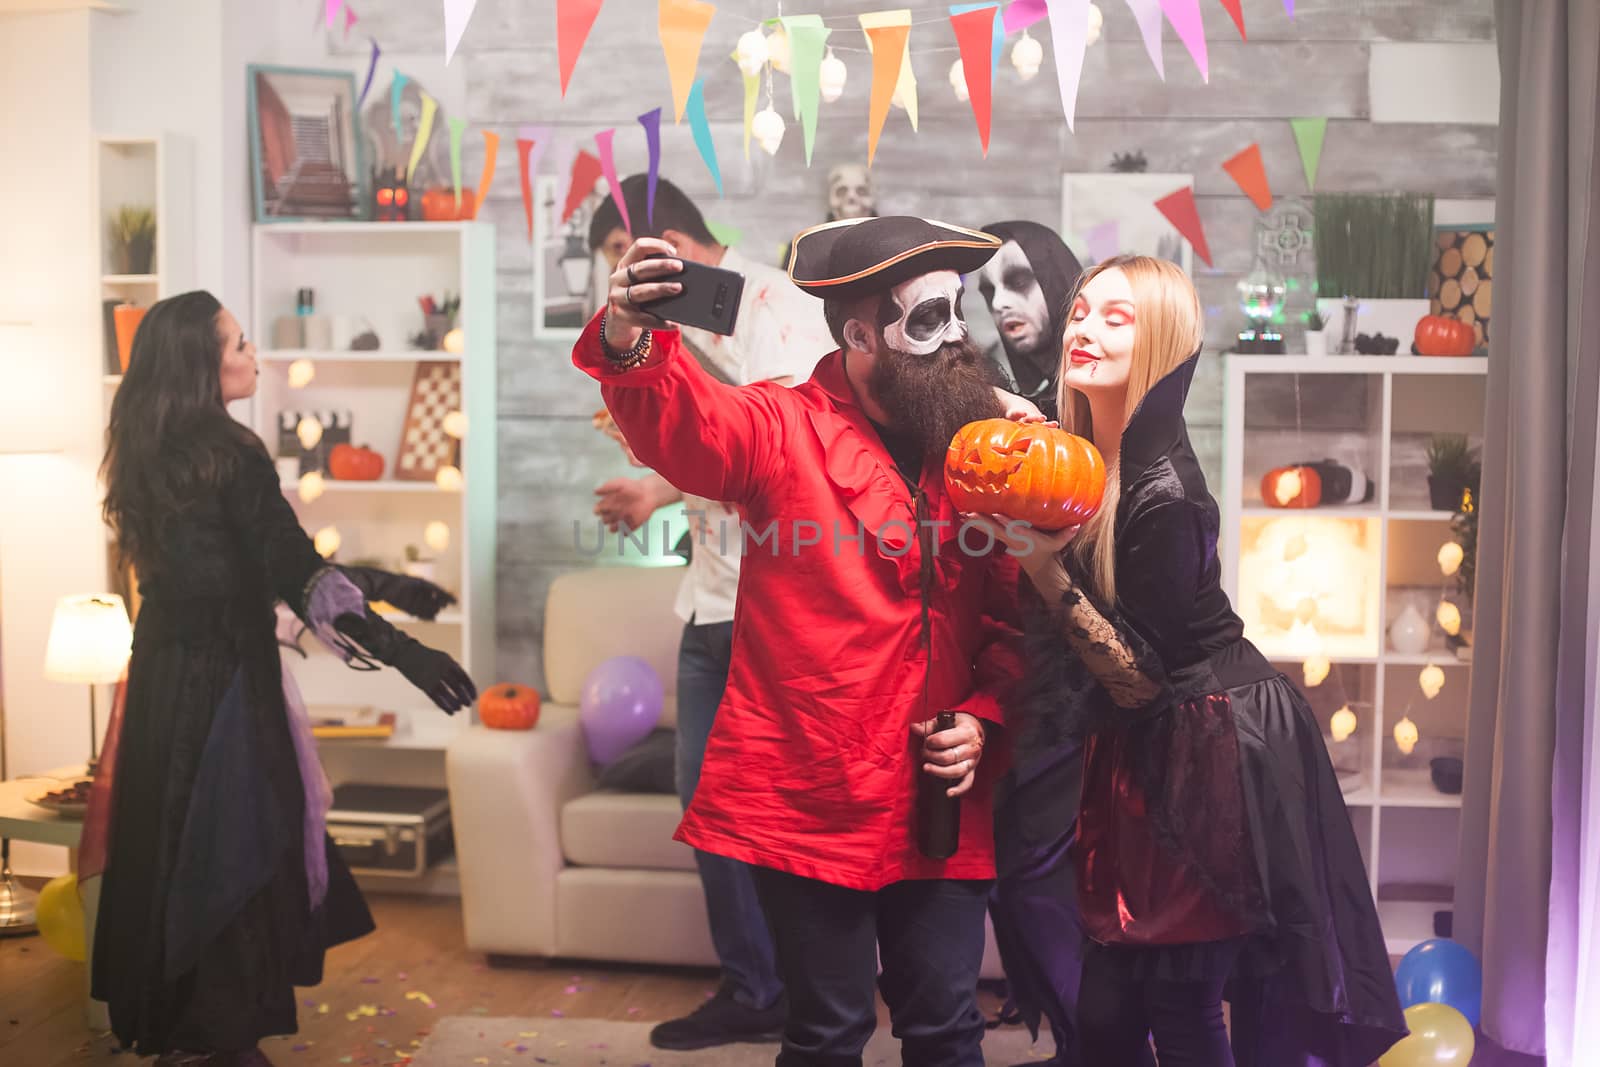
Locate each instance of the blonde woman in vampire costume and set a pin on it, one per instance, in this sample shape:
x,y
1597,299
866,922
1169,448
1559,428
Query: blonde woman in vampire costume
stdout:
x,y
1214,857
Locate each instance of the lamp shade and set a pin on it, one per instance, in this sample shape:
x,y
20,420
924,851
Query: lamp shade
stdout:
x,y
90,640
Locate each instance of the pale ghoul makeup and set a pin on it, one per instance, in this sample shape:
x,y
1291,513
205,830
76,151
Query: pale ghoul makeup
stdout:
x,y
1100,334
928,313
1015,299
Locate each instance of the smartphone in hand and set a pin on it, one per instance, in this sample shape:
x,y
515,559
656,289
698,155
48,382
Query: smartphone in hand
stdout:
x,y
709,300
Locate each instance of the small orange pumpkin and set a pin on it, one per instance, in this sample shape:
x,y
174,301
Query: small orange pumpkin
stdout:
x,y
1037,474
347,463
509,707
1291,487
439,204
1441,335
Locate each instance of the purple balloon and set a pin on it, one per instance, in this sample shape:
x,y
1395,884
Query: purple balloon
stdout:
x,y
621,703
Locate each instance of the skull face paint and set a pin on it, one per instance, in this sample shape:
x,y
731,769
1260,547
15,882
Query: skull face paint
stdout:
x,y
927,313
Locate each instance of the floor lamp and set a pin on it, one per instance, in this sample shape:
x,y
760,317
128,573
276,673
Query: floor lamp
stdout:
x,y
27,435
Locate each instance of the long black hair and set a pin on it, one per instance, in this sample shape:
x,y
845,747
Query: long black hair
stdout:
x,y
170,439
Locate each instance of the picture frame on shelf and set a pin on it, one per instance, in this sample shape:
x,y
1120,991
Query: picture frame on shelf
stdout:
x,y
568,279
1089,202
307,159
424,444
1461,277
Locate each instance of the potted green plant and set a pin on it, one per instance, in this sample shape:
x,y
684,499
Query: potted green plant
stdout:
x,y
1316,338
1373,254
1451,467
133,240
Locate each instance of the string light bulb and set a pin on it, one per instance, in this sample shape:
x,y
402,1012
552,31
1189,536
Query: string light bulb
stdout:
x,y
301,371
1287,486
454,342
958,81
309,431
1315,670
767,128
751,53
1343,723
1405,735
436,535
1026,56
1306,609
448,478
1431,680
1450,556
778,49
454,424
831,76
327,541
1294,548
1449,617
1096,21
311,486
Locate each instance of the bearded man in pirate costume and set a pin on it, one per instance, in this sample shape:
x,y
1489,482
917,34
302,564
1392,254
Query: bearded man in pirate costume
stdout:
x,y
863,612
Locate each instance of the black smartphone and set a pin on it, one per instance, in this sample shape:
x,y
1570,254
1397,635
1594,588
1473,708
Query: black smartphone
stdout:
x,y
709,300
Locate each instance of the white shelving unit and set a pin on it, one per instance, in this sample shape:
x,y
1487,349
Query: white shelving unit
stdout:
x,y
1358,564
373,274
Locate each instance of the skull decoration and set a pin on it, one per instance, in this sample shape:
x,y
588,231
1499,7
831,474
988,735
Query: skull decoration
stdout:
x,y
927,313
850,194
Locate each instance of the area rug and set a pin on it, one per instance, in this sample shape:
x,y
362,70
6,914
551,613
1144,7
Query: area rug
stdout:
x,y
473,1041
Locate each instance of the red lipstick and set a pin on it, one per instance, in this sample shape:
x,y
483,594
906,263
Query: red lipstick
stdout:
x,y
1081,356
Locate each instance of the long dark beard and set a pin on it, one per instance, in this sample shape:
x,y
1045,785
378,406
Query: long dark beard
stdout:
x,y
933,396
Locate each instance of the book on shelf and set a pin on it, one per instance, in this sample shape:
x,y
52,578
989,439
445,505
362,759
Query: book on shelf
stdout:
x,y
362,722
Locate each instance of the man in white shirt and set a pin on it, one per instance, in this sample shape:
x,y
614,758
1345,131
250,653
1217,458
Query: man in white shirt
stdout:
x,y
779,335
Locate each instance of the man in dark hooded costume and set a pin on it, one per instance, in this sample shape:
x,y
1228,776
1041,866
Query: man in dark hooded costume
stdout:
x,y
1026,286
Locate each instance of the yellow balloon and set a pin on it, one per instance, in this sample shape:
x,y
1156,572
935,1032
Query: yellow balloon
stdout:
x,y
60,916
1440,1037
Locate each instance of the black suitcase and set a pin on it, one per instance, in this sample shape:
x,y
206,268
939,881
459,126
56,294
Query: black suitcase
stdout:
x,y
387,829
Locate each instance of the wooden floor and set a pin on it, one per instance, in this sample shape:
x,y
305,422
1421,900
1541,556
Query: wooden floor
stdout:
x,y
396,982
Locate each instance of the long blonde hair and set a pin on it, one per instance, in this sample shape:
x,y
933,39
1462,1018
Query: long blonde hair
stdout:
x,y
1169,326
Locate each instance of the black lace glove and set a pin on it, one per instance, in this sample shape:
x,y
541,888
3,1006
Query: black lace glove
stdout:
x,y
414,596
370,640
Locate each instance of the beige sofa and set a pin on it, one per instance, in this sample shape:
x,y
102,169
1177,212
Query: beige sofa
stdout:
x,y
549,867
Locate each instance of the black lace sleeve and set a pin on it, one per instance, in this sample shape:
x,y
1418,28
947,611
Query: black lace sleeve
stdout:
x,y
1121,651
268,532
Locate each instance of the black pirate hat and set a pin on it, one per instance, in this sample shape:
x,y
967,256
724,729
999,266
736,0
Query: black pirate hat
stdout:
x,y
851,257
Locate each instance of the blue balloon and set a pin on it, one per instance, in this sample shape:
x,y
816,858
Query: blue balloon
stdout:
x,y
1440,971
621,703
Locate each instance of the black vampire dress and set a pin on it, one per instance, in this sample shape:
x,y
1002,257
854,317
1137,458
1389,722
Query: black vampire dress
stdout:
x,y
1211,836
221,890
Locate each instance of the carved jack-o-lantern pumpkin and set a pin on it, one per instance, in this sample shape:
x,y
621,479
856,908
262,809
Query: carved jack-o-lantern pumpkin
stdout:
x,y
1043,476
1291,487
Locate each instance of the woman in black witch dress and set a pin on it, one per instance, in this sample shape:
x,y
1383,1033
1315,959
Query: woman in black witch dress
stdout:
x,y
1214,855
221,890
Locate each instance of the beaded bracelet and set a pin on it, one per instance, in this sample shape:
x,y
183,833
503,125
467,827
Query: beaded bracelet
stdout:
x,y
630,359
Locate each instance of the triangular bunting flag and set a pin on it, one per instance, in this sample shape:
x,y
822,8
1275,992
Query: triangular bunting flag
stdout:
x,y
608,167
457,128
1185,18
682,25
1180,210
430,107
702,131
651,121
332,12
457,13
724,235
906,87
1020,14
586,170
1308,135
1237,14
807,36
372,68
491,151
1069,36
999,36
1248,170
1288,5
525,168
349,20
974,31
396,89
574,19
888,47
1147,13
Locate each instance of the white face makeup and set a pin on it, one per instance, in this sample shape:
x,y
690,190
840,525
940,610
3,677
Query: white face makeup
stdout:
x,y
929,308
850,193
1008,284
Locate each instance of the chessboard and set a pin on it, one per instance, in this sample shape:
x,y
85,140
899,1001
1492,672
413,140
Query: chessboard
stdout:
x,y
424,446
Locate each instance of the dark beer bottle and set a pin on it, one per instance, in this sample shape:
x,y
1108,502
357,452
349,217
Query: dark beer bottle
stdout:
x,y
938,814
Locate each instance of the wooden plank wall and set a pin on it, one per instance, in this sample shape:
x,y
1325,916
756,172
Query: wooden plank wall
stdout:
x,y
1315,65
